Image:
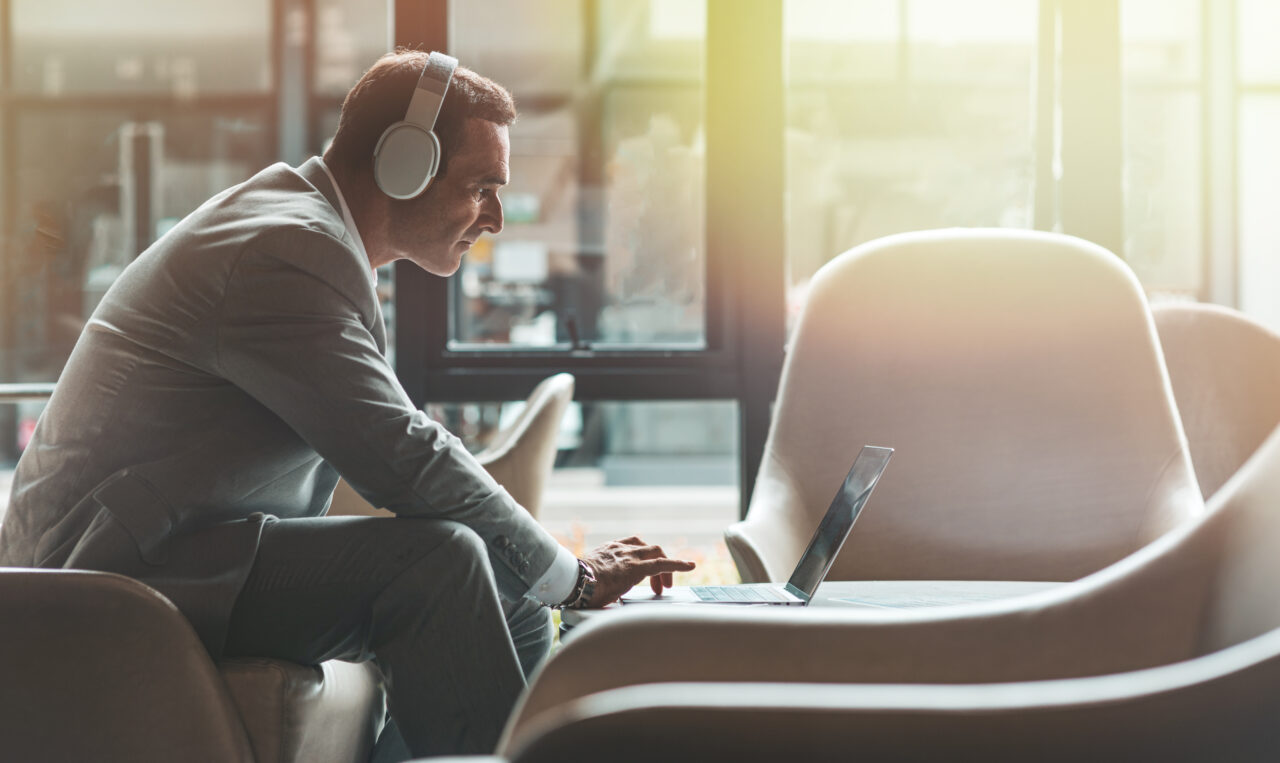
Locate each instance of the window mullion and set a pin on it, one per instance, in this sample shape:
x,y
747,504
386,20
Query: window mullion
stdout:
x,y
745,180
1092,199
1220,107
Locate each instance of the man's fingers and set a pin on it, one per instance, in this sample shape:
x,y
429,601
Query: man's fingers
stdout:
x,y
663,565
650,552
628,561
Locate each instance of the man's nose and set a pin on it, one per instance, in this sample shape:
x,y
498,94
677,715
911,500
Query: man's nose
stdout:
x,y
491,216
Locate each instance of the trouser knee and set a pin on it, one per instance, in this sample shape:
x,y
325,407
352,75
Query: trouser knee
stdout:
x,y
452,546
444,574
463,544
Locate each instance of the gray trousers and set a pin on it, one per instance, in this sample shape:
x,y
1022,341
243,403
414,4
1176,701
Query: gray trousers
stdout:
x,y
418,597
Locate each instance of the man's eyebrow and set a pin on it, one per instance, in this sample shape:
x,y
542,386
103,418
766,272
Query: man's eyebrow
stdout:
x,y
493,180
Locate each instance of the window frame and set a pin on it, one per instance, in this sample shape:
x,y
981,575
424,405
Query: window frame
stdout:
x,y
1078,190
745,255
289,105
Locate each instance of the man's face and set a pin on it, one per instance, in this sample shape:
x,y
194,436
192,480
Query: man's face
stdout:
x,y
437,228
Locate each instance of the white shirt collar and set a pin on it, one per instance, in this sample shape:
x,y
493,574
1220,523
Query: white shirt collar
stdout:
x,y
348,220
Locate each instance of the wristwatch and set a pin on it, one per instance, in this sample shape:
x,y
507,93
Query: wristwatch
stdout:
x,y
582,590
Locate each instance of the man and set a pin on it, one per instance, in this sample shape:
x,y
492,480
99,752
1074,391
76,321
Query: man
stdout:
x,y
237,367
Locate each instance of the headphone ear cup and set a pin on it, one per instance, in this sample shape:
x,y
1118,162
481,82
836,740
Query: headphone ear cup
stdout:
x,y
435,158
405,160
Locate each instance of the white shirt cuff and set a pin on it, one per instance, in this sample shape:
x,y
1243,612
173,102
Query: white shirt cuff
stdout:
x,y
558,581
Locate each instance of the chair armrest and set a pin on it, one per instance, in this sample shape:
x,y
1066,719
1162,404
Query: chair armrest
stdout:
x,y
331,712
116,662
766,545
1214,708
747,555
1141,612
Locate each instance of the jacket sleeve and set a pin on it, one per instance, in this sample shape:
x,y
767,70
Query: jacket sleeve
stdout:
x,y
295,332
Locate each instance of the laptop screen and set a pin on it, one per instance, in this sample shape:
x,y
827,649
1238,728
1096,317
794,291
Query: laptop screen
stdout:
x,y
816,560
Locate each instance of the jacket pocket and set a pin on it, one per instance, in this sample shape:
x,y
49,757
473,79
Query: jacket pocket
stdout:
x,y
143,513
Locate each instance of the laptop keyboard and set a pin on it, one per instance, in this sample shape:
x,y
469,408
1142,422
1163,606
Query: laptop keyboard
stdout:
x,y
734,593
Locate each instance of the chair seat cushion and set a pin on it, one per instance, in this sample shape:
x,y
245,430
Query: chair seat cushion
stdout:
x,y
330,713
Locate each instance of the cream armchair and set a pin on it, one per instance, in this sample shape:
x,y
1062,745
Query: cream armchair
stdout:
x,y
1220,707
1186,623
100,667
95,666
1018,376
520,456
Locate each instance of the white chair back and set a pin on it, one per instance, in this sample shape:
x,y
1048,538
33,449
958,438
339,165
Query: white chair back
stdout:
x,y
1018,376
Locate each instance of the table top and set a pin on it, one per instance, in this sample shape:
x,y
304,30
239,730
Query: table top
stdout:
x,y
871,594
898,594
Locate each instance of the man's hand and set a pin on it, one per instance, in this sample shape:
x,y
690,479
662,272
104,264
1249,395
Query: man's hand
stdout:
x,y
621,564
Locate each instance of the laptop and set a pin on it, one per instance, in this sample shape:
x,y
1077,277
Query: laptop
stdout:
x,y
816,560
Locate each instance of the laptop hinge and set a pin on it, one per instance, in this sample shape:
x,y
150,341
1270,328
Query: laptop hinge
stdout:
x,y
796,592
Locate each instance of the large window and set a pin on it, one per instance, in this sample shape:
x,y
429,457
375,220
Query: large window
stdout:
x,y
120,118
602,266
680,169
133,47
114,133
1164,144
614,264
604,223
625,258
606,261
905,115
1259,159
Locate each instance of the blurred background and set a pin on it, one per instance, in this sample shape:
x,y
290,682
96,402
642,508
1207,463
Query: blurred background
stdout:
x,y
1148,126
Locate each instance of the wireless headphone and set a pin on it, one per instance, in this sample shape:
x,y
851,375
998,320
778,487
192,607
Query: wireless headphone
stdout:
x,y
408,153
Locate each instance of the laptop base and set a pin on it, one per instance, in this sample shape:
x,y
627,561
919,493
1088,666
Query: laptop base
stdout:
x,y
642,594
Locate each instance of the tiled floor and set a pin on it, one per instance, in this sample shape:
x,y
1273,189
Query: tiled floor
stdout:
x,y
582,512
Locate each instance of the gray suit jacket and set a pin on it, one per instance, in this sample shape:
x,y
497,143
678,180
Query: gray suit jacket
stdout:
x,y
231,373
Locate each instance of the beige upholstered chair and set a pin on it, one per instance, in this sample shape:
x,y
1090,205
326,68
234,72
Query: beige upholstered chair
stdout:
x,y
520,456
1195,613
100,667
1225,370
1018,376
119,659
96,666
1220,707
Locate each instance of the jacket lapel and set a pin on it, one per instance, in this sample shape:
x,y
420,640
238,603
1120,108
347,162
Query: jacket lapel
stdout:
x,y
312,171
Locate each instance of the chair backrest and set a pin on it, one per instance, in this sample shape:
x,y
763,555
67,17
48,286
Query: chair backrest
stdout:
x,y
1225,371
1018,376
521,456
138,686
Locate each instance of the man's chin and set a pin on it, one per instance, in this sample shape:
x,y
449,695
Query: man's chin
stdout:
x,y
438,266
444,272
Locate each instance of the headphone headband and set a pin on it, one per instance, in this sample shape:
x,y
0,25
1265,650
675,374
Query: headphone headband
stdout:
x,y
428,96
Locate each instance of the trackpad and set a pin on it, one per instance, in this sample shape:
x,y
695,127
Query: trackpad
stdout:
x,y
643,594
